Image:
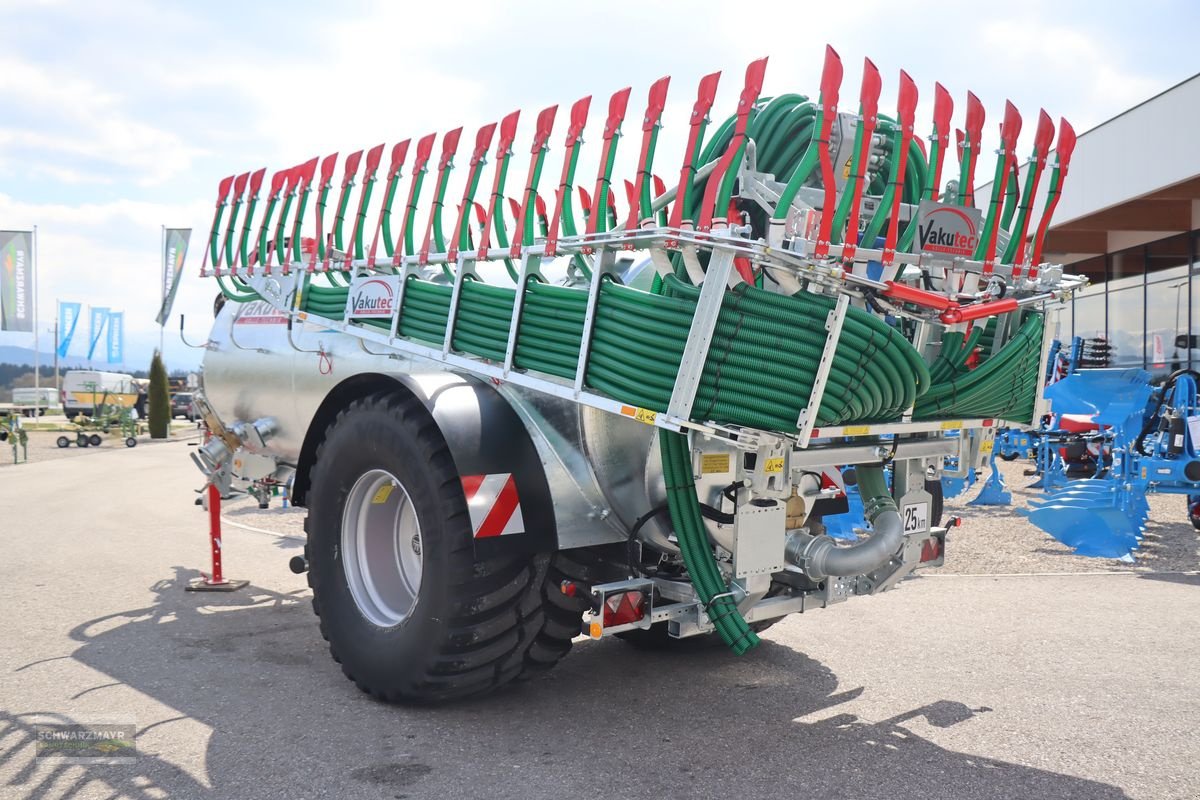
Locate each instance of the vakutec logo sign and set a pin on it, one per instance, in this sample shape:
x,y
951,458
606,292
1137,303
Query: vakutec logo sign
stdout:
x,y
947,230
372,298
259,312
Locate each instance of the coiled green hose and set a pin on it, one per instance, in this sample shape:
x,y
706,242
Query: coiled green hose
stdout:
x,y
761,363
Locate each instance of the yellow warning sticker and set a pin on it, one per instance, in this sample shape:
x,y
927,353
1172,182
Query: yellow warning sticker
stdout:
x,y
717,463
640,414
952,424
773,465
382,494
986,447
856,430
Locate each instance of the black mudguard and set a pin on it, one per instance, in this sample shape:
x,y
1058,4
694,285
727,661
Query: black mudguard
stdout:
x,y
486,436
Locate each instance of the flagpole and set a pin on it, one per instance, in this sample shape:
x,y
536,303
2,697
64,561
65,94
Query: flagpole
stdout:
x,y
162,252
37,356
57,317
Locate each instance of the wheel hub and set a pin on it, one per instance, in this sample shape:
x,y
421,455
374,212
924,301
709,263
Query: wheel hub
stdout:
x,y
381,548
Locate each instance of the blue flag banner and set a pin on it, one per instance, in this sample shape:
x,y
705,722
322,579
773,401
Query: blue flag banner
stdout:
x,y
68,318
97,318
116,337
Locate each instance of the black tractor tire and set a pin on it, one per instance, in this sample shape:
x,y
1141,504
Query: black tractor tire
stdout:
x,y
476,624
1006,456
81,440
63,441
130,441
94,440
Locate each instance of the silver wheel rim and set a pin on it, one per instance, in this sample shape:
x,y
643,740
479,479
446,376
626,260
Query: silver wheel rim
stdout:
x,y
381,548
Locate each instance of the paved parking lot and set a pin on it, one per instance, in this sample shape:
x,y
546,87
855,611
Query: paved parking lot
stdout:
x,y
1048,686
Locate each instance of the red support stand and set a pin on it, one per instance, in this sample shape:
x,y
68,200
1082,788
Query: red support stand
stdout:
x,y
215,582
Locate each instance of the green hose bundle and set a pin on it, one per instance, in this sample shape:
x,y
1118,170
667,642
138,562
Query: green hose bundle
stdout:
x,y
761,363
1004,386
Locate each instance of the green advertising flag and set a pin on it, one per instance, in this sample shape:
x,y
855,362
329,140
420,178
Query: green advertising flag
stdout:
x,y
16,281
175,245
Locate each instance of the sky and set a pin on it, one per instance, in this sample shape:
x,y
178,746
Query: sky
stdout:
x,y
117,118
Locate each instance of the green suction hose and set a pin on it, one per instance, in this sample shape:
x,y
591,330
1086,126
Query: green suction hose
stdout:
x,y
697,553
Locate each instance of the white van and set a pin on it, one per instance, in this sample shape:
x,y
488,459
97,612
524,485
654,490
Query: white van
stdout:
x,y
84,389
36,402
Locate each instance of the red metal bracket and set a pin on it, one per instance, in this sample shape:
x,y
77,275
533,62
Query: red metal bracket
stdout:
x,y
1010,129
906,112
256,181
869,118
612,126
327,167
445,164
831,81
749,96
706,93
541,135
579,115
304,178
974,126
374,156
957,314
1066,146
943,108
278,180
1041,149
655,103
223,189
420,162
349,172
911,294
508,135
399,152
483,140
214,237
235,201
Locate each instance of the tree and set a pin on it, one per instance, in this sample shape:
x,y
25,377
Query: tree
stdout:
x,y
160,399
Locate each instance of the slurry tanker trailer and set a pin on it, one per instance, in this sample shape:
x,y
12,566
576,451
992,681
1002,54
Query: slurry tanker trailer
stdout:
x,y
531,412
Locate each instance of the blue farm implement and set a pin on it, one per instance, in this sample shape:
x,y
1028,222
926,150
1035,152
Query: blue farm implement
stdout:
x,y
1148,445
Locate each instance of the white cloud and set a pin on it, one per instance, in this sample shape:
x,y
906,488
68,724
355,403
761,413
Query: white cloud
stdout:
x,y
90,123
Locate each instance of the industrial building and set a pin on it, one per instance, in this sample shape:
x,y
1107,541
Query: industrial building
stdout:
x,y
1130,221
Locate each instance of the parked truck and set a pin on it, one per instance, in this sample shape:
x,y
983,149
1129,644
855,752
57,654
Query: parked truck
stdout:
x,y
84,389
503,440
31,402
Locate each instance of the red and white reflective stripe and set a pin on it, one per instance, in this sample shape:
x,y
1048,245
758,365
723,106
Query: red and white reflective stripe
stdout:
x,y
494,504
831,478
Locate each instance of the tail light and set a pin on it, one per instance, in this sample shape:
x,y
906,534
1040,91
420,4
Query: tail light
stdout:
x,y
616,607
624,608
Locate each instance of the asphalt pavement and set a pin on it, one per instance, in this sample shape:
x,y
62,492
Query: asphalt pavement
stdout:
x,y
1049,686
